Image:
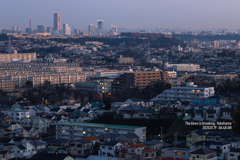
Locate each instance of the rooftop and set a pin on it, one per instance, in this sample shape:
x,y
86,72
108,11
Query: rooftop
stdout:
x,y
100,125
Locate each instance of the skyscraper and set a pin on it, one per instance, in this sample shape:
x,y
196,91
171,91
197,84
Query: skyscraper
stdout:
x,y
49,30
216,44
56,21
77,32
91,30
40,29
66,29
100,27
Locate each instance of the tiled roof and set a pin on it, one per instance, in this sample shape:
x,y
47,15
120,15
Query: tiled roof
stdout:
x,y
148,150
90,138
202,151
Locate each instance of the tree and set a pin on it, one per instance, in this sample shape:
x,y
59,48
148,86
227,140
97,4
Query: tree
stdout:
x,y
46,83
108,102
29,83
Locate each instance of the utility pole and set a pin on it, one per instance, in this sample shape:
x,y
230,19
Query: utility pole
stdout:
x,y
161,132
176,134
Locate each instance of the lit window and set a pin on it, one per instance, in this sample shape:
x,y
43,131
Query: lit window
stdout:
x,y
186,114
106,129
144,135
84,132
63,130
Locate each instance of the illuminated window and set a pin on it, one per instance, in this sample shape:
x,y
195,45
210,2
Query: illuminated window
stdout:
x,y
224,113
198,91
117,82
144,135
84,132
186,114
106,129
63,130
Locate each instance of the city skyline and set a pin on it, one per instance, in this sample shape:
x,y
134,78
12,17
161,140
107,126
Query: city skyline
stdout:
x,y
154,14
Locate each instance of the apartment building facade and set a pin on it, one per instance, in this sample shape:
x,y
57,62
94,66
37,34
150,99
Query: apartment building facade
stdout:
x,y
9,57
137,79
182,67
7,86
78,130
97,86
16,115
188,93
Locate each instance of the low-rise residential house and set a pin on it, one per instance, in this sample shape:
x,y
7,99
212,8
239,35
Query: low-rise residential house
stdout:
x,y
6,140
106,137
209,112
19,151
37,122
6,146
19,140
142,102
110,149
175,152
54,144
134,151
16,115
117,105
127,139
218,135
155,145
94,140
14,126
27,132
195,136
22,105
149,153
50,156
203,154
4,131
36,109
233,154
4,108
80,147
5,119
38,145
221,148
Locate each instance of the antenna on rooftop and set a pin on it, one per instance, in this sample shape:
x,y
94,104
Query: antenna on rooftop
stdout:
x,y
30,22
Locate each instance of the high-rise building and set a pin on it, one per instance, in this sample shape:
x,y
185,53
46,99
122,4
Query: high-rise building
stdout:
x,y
49,29
216,44
56,21
193,43
100,27
91,30
18,28
77,32
14,28
66,29
40,29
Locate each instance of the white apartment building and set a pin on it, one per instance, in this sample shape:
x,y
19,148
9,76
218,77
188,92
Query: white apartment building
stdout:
x,y
16,115
182,67
172,74
188,93
57,79
78,130
109,74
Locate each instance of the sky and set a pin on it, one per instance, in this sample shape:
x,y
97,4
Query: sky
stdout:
x,y
123,13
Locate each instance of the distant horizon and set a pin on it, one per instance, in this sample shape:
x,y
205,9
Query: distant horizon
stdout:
x,y
153,14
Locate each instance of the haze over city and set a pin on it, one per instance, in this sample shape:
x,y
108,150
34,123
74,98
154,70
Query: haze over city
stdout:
x,y
124,13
